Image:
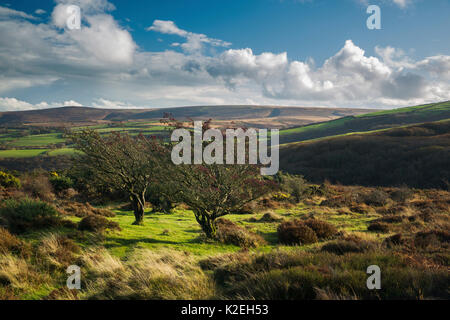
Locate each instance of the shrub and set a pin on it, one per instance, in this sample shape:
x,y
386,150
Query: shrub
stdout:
x,y
82,210
395,240
8,180
294,187
323,229
378,227
341,247
391,219
376,198
10,244
37,185
26,214
96,223
60,183
295,232
402,194
230,233
431,238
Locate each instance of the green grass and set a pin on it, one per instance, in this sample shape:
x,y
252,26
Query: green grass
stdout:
x,y
184,233
62,152
40,140
22,153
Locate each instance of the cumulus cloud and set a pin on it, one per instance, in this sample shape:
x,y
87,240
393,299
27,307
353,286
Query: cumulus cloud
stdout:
x,y
102,37
13,104
102,66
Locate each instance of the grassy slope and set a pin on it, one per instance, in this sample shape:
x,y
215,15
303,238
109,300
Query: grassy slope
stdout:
x,y
183,231
368,122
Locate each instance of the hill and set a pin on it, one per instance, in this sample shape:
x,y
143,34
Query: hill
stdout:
x,y
284,116
368,122
416,155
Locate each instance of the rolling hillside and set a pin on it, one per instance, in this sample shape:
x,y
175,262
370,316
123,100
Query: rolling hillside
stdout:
x,y
416,155
270,114
368,122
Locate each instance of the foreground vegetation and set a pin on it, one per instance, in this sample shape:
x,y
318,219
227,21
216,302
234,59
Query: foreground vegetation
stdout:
x,y
403,231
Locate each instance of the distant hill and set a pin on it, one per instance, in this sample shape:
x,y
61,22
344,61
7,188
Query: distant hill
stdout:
x,y
291,115
416,155
368,122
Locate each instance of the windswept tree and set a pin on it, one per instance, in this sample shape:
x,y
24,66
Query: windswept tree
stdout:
x,y
122,162
213,191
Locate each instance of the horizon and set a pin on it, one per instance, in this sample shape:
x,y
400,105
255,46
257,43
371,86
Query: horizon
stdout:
x,y
150,55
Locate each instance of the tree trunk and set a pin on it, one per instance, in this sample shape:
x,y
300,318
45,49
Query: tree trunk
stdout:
x,y
207,223
138,204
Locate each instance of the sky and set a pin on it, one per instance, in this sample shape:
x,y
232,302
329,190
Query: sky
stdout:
x,y
170,53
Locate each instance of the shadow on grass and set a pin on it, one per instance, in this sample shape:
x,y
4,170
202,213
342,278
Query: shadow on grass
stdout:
x,y
133,242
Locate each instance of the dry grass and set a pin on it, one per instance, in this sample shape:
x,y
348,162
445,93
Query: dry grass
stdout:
x,y
146,275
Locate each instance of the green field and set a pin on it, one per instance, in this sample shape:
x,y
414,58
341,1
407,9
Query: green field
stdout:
x,y
40,140
22,153
35,144
62,152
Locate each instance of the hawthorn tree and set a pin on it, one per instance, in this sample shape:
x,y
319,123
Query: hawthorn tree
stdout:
x,y
213,191
122,162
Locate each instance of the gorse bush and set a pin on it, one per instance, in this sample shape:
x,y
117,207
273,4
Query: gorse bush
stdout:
x,y
294,187
60,183
7,180
296,232
22,215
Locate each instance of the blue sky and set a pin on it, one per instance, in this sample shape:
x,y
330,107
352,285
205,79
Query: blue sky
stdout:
x,y
173,53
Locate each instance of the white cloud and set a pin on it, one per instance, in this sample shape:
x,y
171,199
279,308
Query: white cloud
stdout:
x,y
7,12
102,38
40,11
401,3
108,104
13,104
194,41
101,66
